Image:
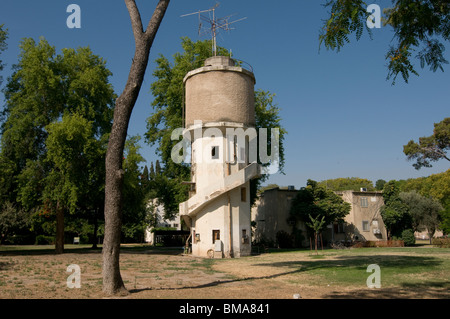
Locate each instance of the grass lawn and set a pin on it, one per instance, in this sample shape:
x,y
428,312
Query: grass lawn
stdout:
x,y
156,272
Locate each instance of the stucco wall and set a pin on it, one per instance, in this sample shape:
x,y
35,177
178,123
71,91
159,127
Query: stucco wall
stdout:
x,y
370,214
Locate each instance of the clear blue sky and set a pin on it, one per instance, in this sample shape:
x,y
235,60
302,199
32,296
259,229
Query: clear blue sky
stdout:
x,y
343,118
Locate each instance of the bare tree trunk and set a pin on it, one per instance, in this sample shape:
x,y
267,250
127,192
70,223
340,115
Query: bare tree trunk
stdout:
x,y
59,240
112,280
315,242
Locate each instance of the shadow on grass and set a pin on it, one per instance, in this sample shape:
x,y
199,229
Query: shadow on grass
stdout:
x,y
358,264
73,249
361,262
40,250
429,289
5,265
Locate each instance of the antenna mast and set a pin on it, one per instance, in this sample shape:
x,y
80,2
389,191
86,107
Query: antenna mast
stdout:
x,y
216,24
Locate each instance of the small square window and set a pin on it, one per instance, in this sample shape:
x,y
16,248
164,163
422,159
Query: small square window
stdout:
x,y
243,194
216,235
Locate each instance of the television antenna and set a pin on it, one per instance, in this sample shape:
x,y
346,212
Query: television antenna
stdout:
x,y
216,24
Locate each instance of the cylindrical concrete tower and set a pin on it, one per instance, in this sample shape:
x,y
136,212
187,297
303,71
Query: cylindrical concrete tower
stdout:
x,y
220,115
220,92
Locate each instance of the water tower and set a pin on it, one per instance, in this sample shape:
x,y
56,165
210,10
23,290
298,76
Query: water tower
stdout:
x,y
220,117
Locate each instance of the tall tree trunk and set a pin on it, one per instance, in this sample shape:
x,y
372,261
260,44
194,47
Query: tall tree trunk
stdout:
x,y
59,240
94,236
112,280
315,242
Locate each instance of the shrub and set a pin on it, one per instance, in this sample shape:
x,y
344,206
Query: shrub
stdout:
x,y
284,239
441,242
408,237
379,243
44,240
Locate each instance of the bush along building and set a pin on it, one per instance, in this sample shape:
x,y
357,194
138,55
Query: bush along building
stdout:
x,y
219,108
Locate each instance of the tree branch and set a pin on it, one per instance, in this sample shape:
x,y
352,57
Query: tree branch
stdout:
x,y
155,21
135,17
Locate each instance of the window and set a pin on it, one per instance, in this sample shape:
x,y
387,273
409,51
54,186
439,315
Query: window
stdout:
x,y
215,235
365,225
364,202
215,152
243,194
245,239
338,228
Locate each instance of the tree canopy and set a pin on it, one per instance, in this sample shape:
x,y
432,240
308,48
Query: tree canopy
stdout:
x,y
436,186
418,26
430,148
55,123
3,46
395,213
315,200
424,211
349,183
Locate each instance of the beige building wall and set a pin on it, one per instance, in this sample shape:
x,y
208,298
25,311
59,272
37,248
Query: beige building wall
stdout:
x,y
271,213
364,221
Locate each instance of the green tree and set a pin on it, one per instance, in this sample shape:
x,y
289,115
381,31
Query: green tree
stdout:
x,y
72,153
45,88
267,187
430,148
145,179
436,186
317,226
349,183
134,209
425,212
3,46
395,213
417,25
13,219
315,200
379,184
168,93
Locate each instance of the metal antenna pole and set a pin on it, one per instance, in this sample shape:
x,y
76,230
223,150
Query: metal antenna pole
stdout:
x,y
216,24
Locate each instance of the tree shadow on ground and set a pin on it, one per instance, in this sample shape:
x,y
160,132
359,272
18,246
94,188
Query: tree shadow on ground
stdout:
x,y
428,289
48,251
5,265
89,250
391,261
215,283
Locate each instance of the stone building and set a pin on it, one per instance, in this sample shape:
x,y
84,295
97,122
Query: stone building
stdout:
x,y
219,108
364,222
161,221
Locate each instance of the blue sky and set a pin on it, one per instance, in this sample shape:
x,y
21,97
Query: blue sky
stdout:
x,y
343,118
